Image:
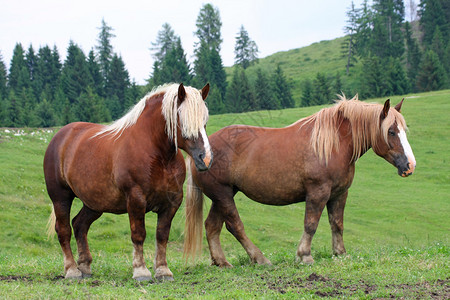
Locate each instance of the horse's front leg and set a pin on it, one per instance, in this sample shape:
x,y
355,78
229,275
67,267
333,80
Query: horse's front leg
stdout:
x,y
136,206
165,216
335,209
315,203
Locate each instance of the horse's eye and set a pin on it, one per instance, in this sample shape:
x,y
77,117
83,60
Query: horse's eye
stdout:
x,y
391,132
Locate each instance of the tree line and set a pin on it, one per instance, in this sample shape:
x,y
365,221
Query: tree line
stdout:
x,y
385,55
395,56
39,90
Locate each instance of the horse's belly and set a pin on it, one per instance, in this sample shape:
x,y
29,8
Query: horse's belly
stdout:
x,y
274,194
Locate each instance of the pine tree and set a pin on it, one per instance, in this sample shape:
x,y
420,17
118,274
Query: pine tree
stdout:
x,y
3,79
432,16
75,77
233,97
165,41
321,93
307,93
18,74
437,44
104,49
432,74
91,108
264,93
388,22
208,66
374,80
94,72
245,50
348,46
281,89
215,101
117,83
413,55
364,29
208,28
337,86
45,114
399,84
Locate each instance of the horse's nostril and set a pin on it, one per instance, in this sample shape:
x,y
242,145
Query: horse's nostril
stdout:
x,y
201,156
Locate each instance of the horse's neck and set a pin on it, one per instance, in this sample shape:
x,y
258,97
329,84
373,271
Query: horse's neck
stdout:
x,y
153,129
360,139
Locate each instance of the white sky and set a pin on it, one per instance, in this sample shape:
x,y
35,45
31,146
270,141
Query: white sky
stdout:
x,y
275,25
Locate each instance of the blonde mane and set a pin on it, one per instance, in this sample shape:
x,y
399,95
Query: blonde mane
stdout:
x,y
192,112
364,121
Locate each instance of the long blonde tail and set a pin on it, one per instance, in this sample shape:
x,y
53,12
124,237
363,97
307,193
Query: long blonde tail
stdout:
x,y
193,233
51,224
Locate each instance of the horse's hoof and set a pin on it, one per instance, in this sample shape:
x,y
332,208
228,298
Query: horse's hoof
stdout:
x,y
143,278
307,260
164,278
74,274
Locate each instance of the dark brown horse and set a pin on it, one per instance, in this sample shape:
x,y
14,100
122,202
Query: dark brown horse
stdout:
x,y
312,160
131,166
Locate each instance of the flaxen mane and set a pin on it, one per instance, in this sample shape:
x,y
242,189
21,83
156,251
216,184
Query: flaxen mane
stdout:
x,y
192,112
365,126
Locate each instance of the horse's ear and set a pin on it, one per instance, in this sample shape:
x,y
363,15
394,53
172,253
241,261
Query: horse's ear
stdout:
x,y
386,107
398,107
181,93
205,91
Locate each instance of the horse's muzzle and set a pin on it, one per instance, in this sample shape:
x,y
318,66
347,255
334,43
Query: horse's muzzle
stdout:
x,y
405,166
203,161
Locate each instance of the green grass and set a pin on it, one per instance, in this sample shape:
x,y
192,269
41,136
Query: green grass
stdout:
x,y
396,229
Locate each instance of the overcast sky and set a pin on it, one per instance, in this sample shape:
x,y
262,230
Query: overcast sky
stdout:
x,y
275,25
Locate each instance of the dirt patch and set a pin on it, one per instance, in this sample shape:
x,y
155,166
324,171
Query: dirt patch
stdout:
x,y
326,287
12,278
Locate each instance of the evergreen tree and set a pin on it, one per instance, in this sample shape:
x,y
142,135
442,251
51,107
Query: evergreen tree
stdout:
x,y
364,29
173,68
75,77
31,63
321,93
104,49
437,44
233,98
215,101
399,83
248,101
432,74
3,79
94,72
264,93
14,111
307,93
350,30
208,66
208,28
45,114
245,50
374,80
413,55
18,73
91,108
432,16
165,41
337,86
387,36
281,89
117,83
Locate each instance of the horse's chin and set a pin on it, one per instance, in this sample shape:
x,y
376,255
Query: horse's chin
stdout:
x,y
405,173
201,166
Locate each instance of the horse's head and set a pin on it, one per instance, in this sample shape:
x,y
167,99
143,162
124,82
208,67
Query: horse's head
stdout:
x,y
391,143
191,129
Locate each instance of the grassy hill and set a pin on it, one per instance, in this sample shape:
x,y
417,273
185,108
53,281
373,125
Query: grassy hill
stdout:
x,y
396,229
304,63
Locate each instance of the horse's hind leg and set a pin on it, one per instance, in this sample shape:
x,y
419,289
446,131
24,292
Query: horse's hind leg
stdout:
x,y
81,224
335,209
235,226
62,202
213,227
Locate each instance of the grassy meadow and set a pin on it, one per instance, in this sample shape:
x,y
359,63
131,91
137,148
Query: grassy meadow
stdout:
x,y
396,229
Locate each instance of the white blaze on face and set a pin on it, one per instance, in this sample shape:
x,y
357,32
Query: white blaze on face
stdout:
x,y
208,156
407,148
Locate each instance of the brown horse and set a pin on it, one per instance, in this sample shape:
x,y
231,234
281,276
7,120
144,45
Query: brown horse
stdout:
x,y
131,166
312,160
